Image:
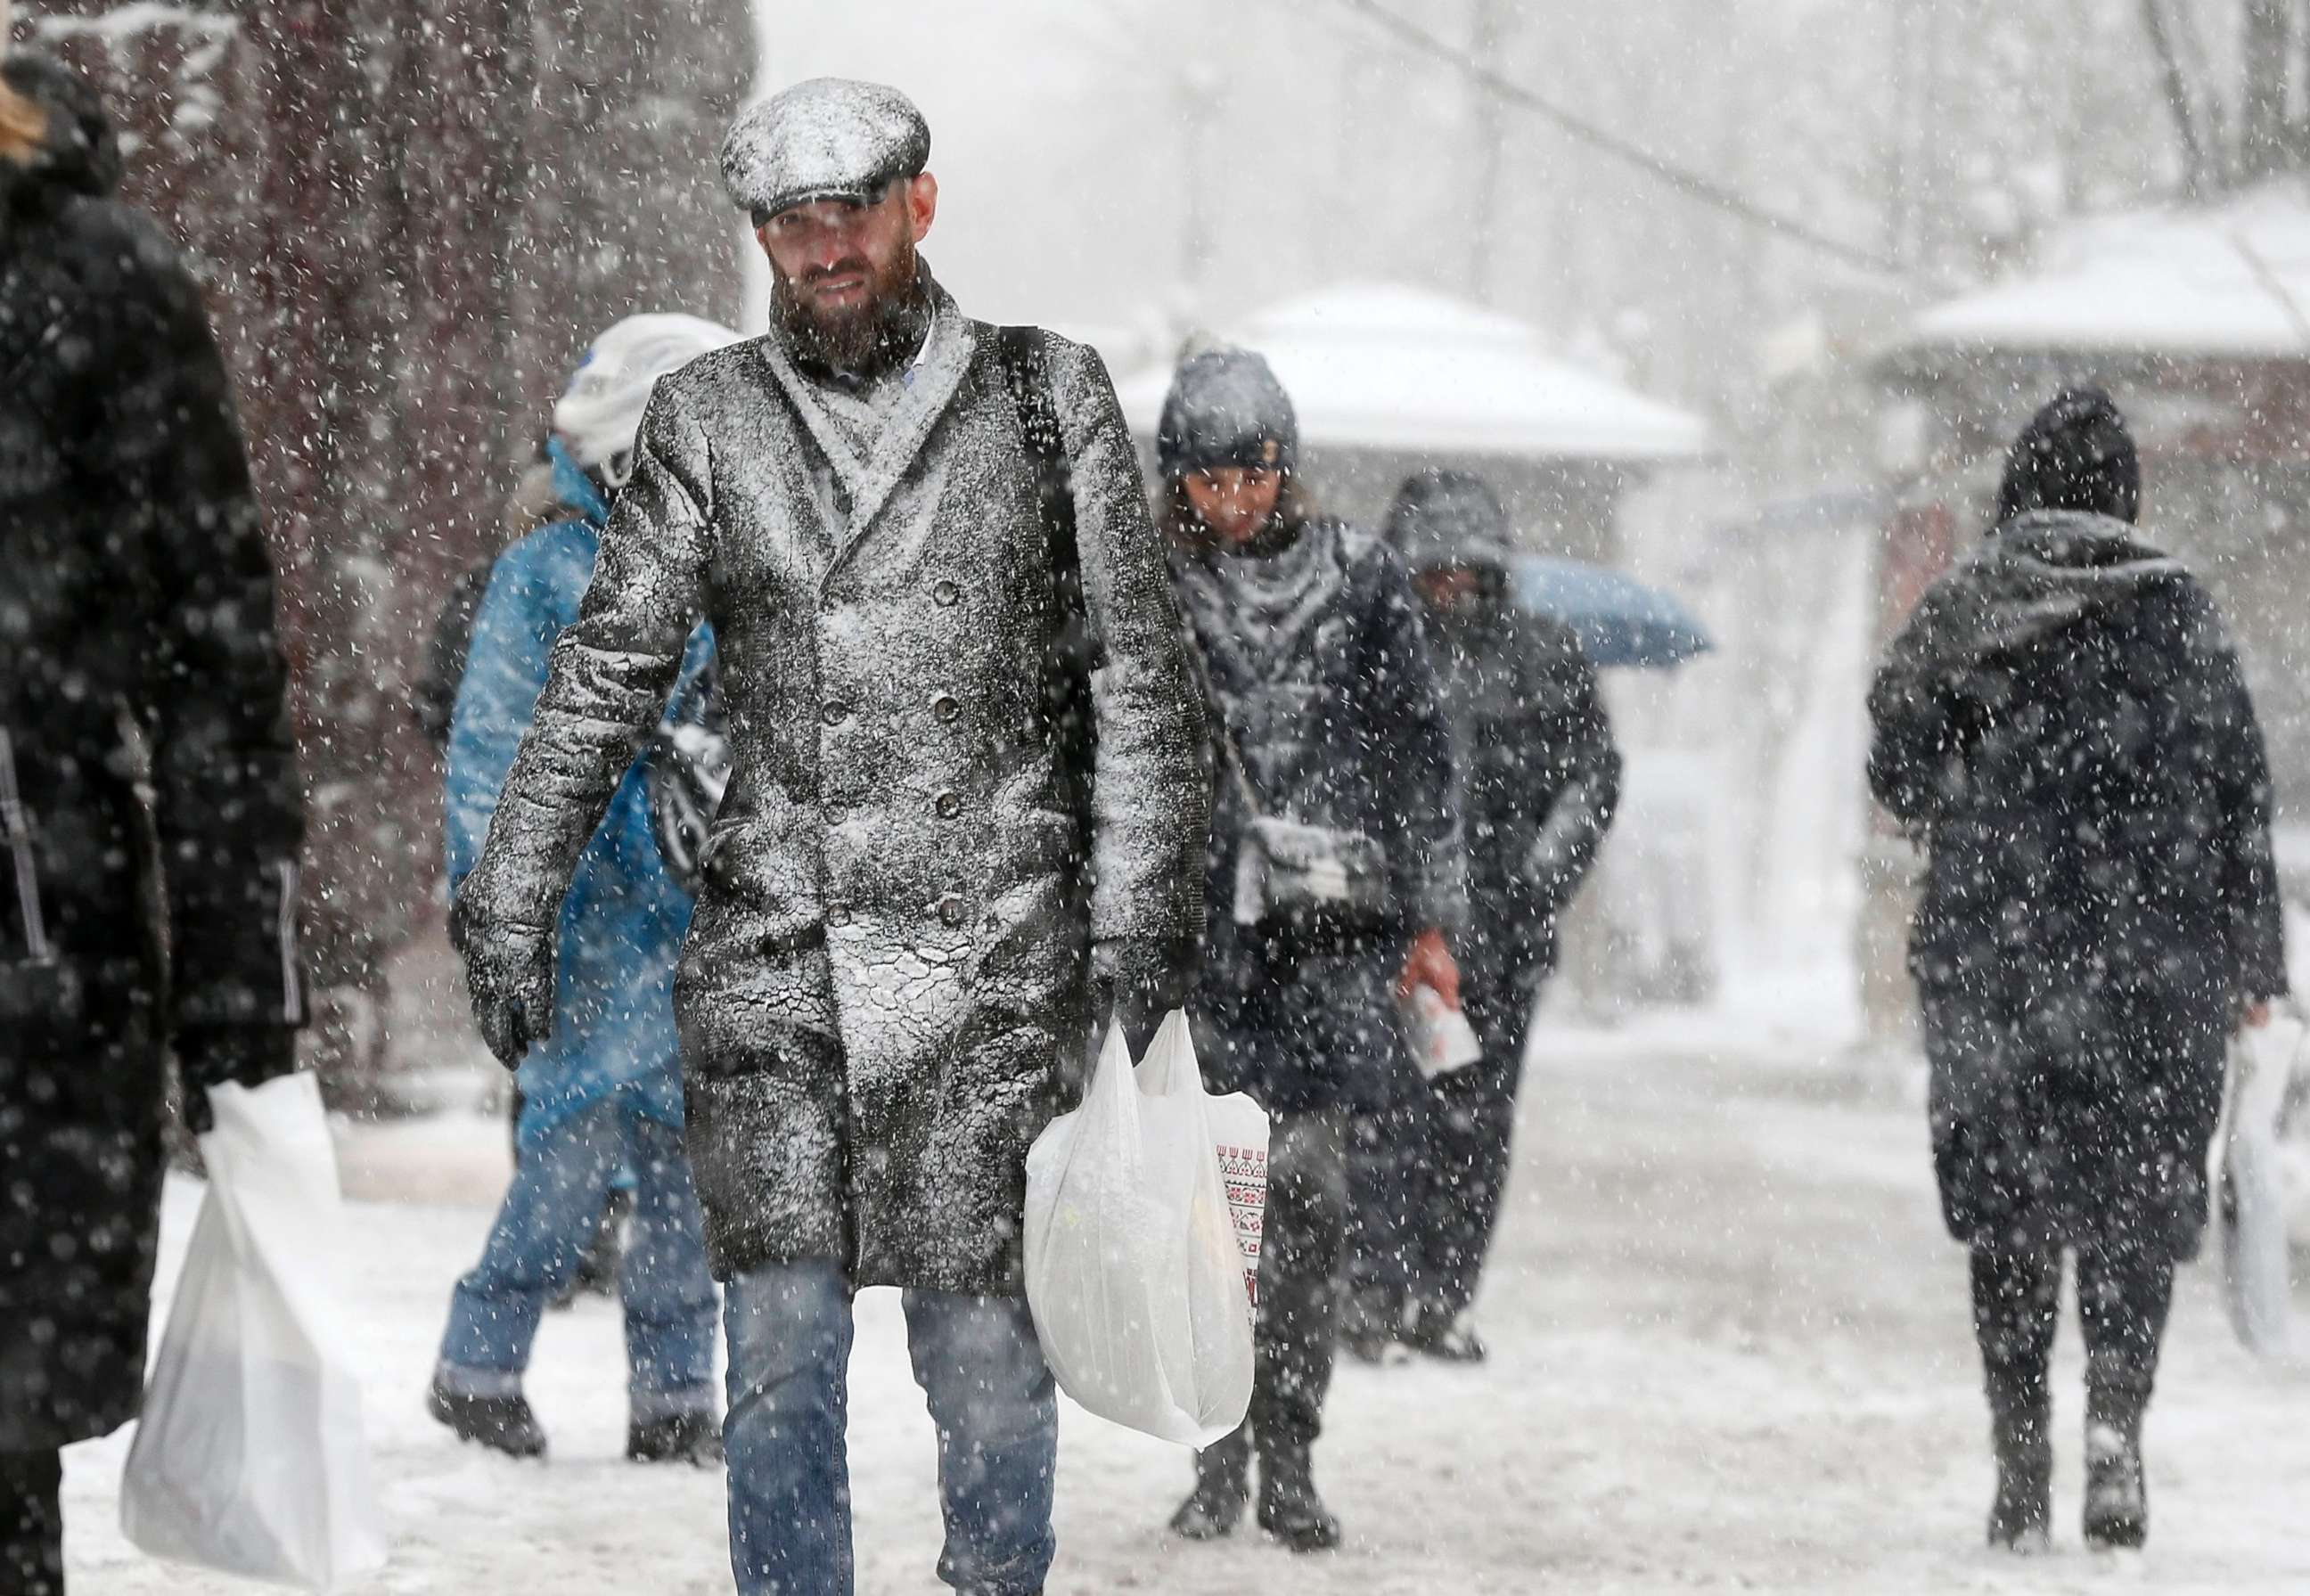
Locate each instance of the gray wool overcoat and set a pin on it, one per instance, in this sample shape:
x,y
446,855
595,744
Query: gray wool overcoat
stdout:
x,y
889,948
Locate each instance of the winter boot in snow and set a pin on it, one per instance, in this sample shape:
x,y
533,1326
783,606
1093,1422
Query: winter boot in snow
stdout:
x,y
500,1423
2020,1520
1370,1322
1288,1508
1446,1336
2117,1500
694,1438
1222,1490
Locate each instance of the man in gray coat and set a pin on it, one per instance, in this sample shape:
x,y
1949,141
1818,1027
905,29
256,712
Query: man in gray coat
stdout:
x,y
925,875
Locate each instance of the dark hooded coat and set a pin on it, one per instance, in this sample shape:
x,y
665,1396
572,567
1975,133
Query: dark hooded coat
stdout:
x,y
1539,772
2063,720
136,646
1318,669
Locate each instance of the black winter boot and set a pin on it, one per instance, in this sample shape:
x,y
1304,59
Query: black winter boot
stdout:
x,y
1288,1508
2020,1520
1446,1336
501,1424
1222,1489
694,1438
1370,1323
2117,1498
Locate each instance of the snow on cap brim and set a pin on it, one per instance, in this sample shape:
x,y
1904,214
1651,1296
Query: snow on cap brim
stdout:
x,y
827,138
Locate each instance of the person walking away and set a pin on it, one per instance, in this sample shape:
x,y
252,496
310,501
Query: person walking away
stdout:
x,y
601,1098
2063,720
1324,715
914,897
136,649
1540,779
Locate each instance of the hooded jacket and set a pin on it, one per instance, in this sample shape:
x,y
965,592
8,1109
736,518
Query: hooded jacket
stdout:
x,y
2064,721
136,649
1539,772
623,918
1319,673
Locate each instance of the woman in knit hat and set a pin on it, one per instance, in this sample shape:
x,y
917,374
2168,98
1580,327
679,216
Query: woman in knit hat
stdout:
x,y
1325,717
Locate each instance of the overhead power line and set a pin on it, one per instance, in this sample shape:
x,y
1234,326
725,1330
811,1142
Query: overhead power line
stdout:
x,y
1688,183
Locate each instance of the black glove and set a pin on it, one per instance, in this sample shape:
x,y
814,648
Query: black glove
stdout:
x,y
509,979
241,1054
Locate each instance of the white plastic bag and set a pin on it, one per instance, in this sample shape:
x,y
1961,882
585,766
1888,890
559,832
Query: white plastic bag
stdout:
x,y
2249,1198
1134,1273
250,1458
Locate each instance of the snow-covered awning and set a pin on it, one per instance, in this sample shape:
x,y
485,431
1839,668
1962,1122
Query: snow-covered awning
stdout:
x,y
2226,282
1379,365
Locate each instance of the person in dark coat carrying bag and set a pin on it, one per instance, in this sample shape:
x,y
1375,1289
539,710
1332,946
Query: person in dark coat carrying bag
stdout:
x,y
2063,720
921,882
136,646
1335,873
1540,779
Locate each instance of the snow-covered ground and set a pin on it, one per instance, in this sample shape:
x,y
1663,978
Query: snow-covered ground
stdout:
x,y
1731,1351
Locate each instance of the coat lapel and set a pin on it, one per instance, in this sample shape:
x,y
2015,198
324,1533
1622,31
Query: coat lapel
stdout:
x,y
797,388
954,344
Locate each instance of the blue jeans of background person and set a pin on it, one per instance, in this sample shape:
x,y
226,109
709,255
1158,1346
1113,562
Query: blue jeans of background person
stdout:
x,y
541,1237
990,1393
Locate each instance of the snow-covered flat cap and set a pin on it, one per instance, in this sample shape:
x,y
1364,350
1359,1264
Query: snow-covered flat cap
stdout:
x,y
827,138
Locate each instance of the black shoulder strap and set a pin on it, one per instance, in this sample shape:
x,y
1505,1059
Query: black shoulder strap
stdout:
x,y
1068,705
1027,372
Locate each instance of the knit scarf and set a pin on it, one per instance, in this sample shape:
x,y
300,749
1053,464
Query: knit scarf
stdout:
x,y
2036,574
1252,610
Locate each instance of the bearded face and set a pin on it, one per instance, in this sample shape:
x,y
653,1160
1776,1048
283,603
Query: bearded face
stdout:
x,y
855,313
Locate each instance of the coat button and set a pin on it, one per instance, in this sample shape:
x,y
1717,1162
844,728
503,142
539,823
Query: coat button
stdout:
x,y
945,594
950,911
947,707
949,805
834,714
838,915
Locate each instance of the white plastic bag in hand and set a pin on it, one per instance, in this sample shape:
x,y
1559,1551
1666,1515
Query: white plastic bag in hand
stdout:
x,y
250,1458
1135,1274
2249,1198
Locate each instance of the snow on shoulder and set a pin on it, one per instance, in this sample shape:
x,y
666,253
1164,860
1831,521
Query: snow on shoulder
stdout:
x,y
2227,280
1382,366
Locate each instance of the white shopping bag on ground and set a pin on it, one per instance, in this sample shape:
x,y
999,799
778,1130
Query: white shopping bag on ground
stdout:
x,y
1134,1273
250,1458
2250,1201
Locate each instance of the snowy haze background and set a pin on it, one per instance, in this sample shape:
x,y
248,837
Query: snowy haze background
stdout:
x,y
1198,156
1733,1347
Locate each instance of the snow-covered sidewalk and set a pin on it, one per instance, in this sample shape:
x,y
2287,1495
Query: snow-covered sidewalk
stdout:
x,y
1730,1349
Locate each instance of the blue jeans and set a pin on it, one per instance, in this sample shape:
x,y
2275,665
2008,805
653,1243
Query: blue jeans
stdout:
x,y
540,1236
991,1395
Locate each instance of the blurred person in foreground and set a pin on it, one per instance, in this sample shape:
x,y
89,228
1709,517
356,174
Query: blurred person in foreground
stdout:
x,y
2063,720
914,897
1540,778
1325,717
601,1096
136,649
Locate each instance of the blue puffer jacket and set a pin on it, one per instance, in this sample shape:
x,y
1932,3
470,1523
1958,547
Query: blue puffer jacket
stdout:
x,y
624,919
